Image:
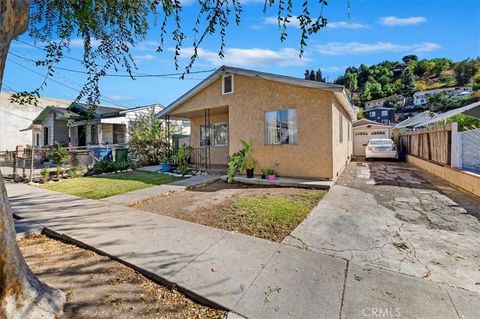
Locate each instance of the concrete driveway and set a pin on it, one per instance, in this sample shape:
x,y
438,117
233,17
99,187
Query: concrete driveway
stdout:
x,y
393,216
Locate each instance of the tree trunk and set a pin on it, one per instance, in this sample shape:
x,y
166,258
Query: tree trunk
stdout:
x,y
22,295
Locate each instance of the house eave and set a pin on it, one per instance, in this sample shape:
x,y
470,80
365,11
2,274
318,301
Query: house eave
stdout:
x,y
263,75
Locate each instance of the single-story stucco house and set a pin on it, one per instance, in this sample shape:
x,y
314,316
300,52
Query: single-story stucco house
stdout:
x,y
304,127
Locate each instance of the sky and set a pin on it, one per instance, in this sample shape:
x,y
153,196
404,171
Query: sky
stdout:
x,y
375,30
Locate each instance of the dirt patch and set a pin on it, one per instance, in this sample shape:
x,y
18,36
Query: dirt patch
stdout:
x,y
220,205
98,287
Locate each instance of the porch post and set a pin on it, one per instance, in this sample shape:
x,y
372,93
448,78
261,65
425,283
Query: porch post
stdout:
x,y
167,123
210,132
100,133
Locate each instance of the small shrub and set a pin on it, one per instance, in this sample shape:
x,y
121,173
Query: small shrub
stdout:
x,y
73,172
107,167
60,155
45,174
180,159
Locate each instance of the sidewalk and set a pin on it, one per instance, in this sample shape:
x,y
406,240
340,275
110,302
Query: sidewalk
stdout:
x,y
250,276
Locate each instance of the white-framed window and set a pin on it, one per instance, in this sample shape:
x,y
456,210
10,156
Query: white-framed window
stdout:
x,y
281,127
227,84
340,127
384,113
37,139
220,134
386,122
372,114
361,133
378,133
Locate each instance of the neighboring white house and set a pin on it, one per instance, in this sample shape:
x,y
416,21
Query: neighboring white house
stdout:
x,y
15,117
381,102
421,97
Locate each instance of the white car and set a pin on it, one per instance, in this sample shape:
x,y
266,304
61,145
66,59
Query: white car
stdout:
x,y
380,148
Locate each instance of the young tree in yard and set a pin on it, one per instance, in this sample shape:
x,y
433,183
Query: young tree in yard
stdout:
x,y
117,26
148,138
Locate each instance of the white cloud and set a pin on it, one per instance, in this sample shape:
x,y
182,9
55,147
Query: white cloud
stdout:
x,y
345,25
344,48
253,57
392,21
144,57
294,22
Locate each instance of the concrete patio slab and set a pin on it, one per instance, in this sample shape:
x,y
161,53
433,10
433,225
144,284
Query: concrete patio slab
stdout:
x,y
296,284
283,182
211,276
391,295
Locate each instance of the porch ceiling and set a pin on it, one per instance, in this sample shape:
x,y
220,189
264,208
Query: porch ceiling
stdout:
x,y
199,113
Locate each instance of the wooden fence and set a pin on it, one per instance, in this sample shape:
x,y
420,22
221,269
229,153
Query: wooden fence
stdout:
x,y
433,144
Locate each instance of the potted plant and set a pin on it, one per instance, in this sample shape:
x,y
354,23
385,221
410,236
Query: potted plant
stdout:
x,y
165,164
271,173
264,173
249,161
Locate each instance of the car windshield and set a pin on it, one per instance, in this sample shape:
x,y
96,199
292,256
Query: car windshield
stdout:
x,y
381,142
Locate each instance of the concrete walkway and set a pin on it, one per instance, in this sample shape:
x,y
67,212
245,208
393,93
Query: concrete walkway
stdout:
x,y
252,277
134,197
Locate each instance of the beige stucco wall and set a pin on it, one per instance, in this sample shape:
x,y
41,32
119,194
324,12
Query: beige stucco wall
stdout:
x,y
469,182
342,150
252,97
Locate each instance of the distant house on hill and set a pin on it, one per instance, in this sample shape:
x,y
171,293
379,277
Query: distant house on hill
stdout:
x,y
383,115
14,117
421,97
381,102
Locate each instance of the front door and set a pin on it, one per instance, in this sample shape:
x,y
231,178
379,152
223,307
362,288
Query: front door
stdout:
x,y
82,135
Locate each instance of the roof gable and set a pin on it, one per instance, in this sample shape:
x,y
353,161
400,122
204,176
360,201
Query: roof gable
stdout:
x,y
338,90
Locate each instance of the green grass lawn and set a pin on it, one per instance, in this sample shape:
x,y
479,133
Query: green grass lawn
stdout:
x,y
270,216
96,187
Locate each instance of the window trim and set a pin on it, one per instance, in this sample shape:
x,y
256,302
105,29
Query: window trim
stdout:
x,y
223,83
265,126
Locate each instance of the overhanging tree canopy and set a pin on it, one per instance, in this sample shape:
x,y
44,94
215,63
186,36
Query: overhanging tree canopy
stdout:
x,y
117,26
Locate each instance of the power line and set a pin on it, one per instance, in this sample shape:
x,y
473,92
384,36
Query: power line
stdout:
x,y
60,83
137,75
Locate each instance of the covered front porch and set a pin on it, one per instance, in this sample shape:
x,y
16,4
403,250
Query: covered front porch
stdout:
x,y
209,137
98,132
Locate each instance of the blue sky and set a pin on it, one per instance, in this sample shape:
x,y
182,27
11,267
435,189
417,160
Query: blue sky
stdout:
x,y
377,30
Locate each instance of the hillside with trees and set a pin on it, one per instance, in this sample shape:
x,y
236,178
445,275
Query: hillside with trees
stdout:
x,y
405,77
